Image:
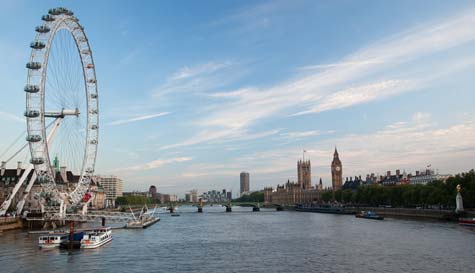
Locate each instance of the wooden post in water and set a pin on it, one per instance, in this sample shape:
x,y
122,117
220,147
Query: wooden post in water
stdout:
x,y
71,235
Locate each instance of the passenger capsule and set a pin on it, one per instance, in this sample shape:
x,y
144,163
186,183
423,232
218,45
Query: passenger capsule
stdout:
x,y
85,51
94,127
37,45
47,18
55,11
33,65
32,114
91,81
90,66
69,13
32,88
93,96
37,160
42,29
33,138
93,141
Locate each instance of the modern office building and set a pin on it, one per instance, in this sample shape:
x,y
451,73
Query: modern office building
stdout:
x,y
244,177
113,187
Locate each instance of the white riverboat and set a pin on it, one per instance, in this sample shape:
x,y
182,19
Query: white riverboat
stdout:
x,y
96,238
51,240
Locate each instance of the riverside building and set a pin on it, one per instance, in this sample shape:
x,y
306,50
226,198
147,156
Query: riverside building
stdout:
x,y
113,187
292,193
244,179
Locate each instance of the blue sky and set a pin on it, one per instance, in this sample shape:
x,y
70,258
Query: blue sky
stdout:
x,y
193,92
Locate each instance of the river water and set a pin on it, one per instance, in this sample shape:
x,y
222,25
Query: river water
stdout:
x,y
266,241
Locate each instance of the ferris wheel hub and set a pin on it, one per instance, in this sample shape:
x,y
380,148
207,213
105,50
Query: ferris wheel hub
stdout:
x,y
63,113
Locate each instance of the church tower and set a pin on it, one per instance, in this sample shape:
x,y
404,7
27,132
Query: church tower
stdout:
x,y
337,177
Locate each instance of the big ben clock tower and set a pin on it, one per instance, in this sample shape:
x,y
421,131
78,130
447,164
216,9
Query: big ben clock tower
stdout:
x,y
337,177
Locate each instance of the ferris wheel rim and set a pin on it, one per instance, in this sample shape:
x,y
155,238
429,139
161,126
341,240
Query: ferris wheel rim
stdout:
x,y
39,149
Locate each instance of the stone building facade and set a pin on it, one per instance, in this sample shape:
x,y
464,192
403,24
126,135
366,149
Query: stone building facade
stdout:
x,y
304,174
292,193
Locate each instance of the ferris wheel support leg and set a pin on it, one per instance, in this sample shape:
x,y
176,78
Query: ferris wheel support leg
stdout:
x,y
21,204
7,203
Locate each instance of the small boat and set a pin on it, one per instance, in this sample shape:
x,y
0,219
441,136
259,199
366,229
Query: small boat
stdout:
x,y
323,209
467,222
52,240
75,243
96,237
175,214
369,215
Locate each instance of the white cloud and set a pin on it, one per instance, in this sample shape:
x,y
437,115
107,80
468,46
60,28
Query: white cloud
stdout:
x,y
189,72
139,118
408,145
200,78
347,83
384,69
221,136
154,164
296,135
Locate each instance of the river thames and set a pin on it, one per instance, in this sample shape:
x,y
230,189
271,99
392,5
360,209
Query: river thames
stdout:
x,y
266,241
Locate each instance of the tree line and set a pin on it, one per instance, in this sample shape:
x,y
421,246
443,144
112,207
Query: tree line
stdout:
x,y
435,194
256,196
134,200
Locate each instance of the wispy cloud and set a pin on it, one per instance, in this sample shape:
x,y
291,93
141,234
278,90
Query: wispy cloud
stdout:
x,y
154,164
200,78
221,136
303,134
129,57
138,118
407,144
188,72
11,117
348,83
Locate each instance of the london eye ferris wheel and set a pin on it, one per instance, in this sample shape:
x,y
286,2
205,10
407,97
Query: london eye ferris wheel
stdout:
x,y
62,104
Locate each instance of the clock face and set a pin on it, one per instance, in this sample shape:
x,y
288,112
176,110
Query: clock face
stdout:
x,y
337,168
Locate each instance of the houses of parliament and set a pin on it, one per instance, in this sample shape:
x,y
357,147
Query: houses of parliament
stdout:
x,y
302,191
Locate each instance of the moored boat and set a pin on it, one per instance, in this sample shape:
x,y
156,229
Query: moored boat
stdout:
x,y
75,243
324,209
96,237
467,222
52,240
369,215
